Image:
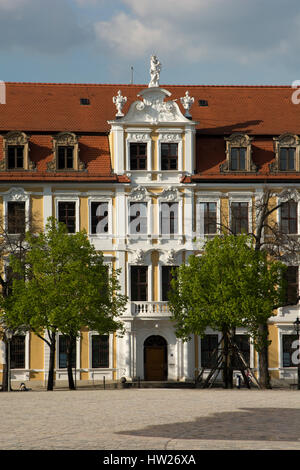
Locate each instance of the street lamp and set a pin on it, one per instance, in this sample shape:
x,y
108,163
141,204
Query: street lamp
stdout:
x,y
9,335
297,329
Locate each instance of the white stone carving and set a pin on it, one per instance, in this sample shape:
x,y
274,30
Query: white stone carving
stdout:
x,y
155,68
170,194
153,109
139,194
187,101
170,257
139,257
18,195
119,102
289,195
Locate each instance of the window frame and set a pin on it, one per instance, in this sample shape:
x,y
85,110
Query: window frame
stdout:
x,y
286,140
238,140
146,283
17,194
65,139
16,139
170,136
101,199
287,204
75,199
242,197
139,136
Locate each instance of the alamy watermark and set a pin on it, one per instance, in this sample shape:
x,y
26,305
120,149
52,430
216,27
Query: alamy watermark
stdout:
x,y
295,95
2,92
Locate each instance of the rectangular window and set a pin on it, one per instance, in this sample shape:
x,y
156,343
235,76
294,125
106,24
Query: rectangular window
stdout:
x,y
239,217
208,218
99,216
100,351
291,276
169,156
288,217
287,158
62,352
15,157
167,273
243,343
139,283
138,218
289,346
169,218
17,352
16,217
238,158
67,215
65,158
209,345
138,156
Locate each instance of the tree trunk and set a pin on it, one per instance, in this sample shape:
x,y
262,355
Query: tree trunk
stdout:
x,y
264,376
70,346
5,369
227,361
51,362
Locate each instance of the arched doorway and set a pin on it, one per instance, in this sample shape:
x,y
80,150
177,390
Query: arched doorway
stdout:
x,y
155,358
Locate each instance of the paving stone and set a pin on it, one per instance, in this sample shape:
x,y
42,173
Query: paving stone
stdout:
x,y
150,419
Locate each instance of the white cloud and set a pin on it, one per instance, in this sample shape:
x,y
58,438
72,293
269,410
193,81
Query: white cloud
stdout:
x,y
193,30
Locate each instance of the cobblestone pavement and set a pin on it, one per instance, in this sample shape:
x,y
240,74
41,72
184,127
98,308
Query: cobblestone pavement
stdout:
x,y
170,419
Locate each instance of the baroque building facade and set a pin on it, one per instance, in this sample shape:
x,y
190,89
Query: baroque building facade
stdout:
x,y
149,177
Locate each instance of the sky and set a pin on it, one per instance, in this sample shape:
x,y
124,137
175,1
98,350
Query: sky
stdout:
x,y
214,42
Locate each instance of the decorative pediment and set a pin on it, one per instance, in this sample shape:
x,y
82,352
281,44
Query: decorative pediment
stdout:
x,y
170,194
140,193
16,195
154,109
289,195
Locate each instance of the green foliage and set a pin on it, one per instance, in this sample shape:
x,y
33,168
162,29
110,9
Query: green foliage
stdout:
x,y
230,285
63,286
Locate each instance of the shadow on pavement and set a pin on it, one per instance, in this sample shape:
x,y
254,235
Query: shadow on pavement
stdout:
x,y
253,424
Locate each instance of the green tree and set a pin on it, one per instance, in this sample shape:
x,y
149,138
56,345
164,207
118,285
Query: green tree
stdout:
x,y
230,285
65,286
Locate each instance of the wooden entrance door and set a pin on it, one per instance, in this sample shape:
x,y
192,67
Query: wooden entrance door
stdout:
x,y
155,358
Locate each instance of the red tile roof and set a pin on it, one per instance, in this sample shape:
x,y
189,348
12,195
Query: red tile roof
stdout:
x,y
41,108
56,107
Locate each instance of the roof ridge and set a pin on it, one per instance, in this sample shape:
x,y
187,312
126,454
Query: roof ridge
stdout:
x,y
134,85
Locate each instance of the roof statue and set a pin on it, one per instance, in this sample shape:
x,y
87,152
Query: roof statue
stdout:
x,y
187,102
119,101
155,68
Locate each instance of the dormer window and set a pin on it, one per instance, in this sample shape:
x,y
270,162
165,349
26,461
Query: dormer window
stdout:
x,y
66,153
287,148
16,152
65,157
238,154
15,157
238,158
287,158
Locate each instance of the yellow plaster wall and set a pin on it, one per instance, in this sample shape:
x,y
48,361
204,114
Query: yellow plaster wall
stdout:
x,y
84,214
36,355
273,350
224,206
37,212
84,353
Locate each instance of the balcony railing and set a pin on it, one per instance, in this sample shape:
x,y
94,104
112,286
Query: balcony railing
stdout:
x,y
150,309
